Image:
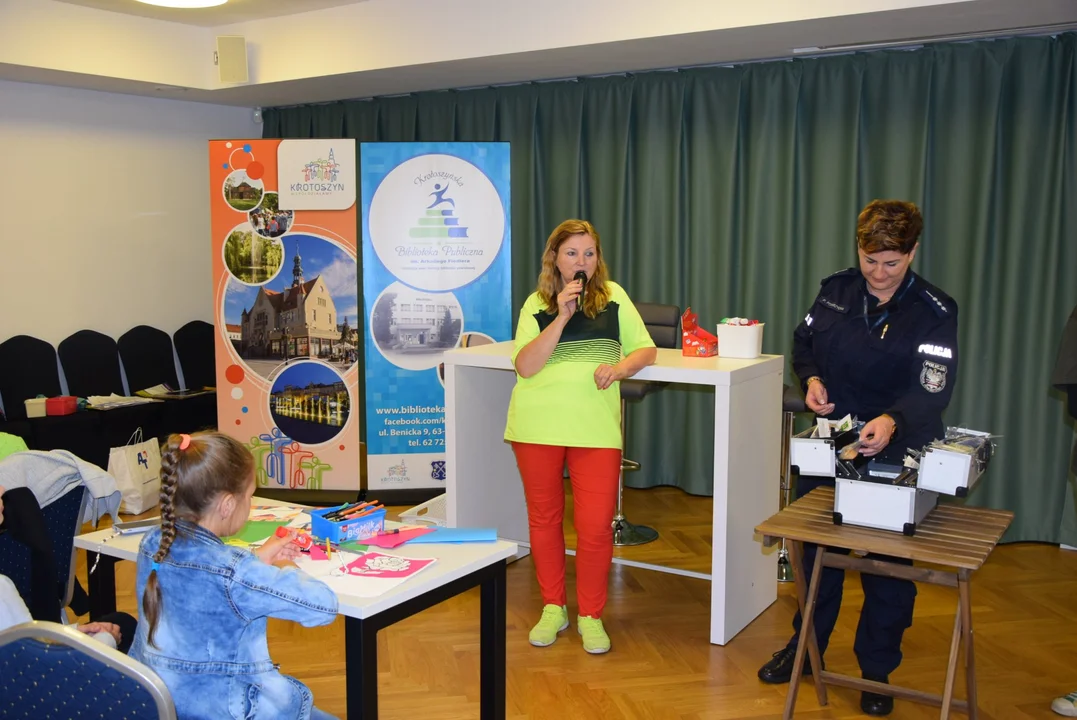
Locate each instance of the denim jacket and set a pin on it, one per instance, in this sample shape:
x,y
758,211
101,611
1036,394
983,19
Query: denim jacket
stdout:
x,y
211,630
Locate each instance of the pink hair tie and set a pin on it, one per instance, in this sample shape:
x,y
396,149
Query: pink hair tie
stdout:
x,y
185,442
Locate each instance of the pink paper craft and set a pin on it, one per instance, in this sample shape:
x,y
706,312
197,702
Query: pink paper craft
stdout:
x,y
317,552
393,540
376,565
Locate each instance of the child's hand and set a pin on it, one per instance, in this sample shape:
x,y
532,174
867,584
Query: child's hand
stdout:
x,y
98,627
278,549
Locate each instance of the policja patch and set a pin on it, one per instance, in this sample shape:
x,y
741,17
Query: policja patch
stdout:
x,y
933,376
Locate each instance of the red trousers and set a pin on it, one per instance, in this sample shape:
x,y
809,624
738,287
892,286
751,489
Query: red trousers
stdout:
x,y
594,473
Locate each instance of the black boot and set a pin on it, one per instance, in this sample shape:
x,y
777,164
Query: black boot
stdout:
x,y
873,703
780,667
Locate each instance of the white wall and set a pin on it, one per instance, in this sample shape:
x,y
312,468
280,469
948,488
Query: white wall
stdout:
x,y
104,210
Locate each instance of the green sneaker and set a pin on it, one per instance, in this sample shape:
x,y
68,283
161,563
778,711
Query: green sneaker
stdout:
x,y
595,639
554,620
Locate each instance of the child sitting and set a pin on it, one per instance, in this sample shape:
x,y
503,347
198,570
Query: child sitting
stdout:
x,y
205,604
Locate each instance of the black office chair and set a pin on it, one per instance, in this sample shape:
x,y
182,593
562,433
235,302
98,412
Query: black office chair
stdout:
x,y
48,670
664,324
792,403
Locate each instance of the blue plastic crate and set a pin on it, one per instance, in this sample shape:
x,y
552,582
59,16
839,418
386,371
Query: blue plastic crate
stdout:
x,y
362,528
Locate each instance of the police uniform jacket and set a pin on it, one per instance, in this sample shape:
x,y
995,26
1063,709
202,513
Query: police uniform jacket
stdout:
x,y
899,358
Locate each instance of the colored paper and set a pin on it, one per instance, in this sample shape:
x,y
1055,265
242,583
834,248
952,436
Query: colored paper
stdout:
x,y
377,565
396,539
458,535
254,531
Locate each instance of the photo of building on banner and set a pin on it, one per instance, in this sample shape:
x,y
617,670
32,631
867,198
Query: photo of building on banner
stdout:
x,y
285,276
436,276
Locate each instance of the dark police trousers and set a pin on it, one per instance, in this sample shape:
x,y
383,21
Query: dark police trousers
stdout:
x,y
887,610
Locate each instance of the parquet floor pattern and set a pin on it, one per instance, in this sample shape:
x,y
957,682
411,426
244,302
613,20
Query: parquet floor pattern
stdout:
x,y
662,666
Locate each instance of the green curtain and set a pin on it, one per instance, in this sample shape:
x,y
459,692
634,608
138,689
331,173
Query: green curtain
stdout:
x,y
735,190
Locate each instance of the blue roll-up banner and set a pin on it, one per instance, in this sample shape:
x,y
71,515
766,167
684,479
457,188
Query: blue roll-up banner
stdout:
x,y
436,276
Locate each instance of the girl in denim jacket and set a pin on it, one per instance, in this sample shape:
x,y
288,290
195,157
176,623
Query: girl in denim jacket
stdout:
x,y
205,604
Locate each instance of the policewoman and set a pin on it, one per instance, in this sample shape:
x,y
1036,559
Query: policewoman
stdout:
x,y
879,343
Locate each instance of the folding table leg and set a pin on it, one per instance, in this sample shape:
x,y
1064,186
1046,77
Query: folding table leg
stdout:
x,y
966,629
951,665
806,598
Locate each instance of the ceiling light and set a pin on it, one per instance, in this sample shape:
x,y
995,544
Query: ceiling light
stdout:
x,y
184,3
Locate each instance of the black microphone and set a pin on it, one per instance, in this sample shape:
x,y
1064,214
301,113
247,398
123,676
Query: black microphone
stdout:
x,y
582,277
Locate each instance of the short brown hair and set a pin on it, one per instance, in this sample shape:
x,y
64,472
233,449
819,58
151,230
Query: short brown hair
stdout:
x,y
889,225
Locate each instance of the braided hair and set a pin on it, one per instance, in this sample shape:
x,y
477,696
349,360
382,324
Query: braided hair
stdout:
x,y
195,470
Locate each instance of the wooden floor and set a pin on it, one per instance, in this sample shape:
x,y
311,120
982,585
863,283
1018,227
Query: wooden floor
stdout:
x,y
662,665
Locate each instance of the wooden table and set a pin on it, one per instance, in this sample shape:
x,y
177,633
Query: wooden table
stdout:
x,y
956,538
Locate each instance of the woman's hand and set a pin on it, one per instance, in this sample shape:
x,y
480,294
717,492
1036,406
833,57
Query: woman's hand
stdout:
x,y
816,398
875,436
606,375
566,299
99,627
278,549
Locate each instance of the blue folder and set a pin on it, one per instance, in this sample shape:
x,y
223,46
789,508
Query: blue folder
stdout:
x,y
456,535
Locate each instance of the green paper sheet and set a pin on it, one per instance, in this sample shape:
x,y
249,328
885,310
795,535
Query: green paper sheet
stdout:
x,y
254,531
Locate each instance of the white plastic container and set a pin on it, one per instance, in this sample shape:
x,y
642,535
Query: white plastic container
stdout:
x,y
431,512
35,407
740,341
953,472
812,456
881,505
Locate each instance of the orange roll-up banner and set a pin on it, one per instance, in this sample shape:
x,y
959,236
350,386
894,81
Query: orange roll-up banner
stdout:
x,y
286,306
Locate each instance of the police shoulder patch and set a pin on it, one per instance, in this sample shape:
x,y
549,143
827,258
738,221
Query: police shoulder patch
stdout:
x,y
933,377
939,302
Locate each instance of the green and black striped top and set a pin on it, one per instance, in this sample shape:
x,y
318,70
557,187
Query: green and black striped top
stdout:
x,y
561,405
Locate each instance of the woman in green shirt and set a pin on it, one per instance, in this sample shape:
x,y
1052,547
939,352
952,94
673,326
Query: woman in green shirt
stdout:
x,y
575,341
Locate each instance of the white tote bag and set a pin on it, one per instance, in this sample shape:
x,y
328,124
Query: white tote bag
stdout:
x,y
137,469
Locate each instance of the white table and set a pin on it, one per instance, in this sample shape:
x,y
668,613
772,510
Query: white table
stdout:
x,y
483,487
458,568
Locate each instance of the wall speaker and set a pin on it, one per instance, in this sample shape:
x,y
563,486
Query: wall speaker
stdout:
x,y
231,58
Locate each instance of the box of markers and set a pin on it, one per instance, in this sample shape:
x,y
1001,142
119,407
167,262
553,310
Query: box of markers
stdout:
x,y
358,527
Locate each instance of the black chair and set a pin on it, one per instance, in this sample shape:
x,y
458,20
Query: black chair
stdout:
x,y
28,368
194,347
37,551
792,403
91,364
48,670
664,324
147,358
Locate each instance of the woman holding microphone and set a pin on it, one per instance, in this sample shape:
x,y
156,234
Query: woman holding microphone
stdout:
x,y
578,336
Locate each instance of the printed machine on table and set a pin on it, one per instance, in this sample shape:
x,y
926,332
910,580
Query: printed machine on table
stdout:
x,y
891,497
